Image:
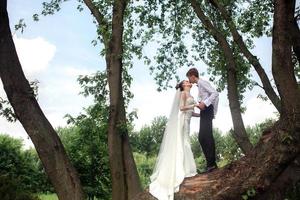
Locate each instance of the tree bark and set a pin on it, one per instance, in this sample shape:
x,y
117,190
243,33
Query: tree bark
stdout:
x,y
46,141
288,178
239,132
125,178
251,58
282,66
132,176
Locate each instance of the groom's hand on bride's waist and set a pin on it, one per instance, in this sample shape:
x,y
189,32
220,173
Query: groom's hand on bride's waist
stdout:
x,y
201,106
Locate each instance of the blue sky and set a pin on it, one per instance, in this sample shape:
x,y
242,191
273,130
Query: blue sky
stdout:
x,y
58,48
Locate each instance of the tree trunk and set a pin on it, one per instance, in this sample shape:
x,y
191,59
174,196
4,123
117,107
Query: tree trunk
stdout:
x,y
125,179
282,66
288,178
46,141
251,58
132,176
239,132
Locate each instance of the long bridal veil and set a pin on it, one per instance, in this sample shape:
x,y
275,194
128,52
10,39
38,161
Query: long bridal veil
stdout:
x,y
168,172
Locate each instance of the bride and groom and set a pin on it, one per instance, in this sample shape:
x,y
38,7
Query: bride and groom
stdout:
x,y
175,160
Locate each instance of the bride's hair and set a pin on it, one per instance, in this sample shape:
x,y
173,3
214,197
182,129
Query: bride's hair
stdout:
x,y
180,85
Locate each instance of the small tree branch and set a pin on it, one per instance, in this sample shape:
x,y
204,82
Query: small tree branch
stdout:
x,y
102,22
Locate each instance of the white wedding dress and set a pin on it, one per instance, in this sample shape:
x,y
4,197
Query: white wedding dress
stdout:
x,y
175,160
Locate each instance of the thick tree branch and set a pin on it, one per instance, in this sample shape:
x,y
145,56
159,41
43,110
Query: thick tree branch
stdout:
x,y
102,22
46,141
289,177
269,90
282,66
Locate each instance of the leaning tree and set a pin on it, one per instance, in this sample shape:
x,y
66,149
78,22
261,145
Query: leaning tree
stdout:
x,y
27,110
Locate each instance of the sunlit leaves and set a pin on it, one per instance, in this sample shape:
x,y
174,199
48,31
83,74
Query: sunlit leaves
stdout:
x,y
178,37
256,18
86,144
6,109
20,25
95,85
149,138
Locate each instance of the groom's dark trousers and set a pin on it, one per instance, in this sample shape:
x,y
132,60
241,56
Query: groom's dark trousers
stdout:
x,y
205,136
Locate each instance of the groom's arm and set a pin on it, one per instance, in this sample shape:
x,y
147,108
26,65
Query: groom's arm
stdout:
x,y
213,93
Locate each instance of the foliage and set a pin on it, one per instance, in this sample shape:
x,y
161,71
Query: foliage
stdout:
x,y
20,168
86,139
10,190
196,149
48,197
255,20
146,143
256,131
6,109
85,143
227,150
250,193
183,40
145,166
148,139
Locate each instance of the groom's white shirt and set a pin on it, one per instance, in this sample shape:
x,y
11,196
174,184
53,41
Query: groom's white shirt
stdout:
x,y
208,94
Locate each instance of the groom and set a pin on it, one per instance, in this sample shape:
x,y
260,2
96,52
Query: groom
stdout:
x,y
208,106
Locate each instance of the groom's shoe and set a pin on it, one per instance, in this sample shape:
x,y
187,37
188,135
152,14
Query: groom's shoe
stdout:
x,y
211,168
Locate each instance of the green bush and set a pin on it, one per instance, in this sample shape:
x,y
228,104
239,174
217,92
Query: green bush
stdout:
x,y
10,190
145,167
22,165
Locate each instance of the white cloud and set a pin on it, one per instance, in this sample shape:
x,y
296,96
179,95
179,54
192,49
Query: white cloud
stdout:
x,y
74,72
34,54
223,120
258,110
150,103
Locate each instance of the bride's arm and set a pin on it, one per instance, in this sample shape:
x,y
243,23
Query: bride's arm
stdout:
x,y
184,107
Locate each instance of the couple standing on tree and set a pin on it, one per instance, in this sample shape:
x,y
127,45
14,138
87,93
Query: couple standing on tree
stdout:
x,y
175,160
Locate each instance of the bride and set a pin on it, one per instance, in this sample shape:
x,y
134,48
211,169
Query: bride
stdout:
x,y
175,160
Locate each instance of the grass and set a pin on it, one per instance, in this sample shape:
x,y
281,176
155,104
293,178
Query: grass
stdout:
x,y
48,197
